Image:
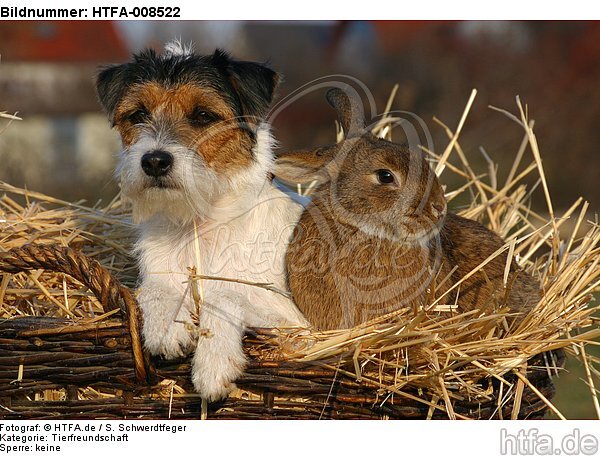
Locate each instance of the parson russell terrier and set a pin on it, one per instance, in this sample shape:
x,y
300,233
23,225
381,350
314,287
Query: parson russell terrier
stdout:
x,y
195,165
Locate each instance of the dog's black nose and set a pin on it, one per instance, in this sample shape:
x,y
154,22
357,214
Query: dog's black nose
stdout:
x,y
157,163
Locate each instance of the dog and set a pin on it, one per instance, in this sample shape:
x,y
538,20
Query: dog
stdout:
x,y
195,165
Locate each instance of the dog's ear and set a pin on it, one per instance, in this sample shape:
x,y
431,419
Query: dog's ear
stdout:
x,y
254,84
111,83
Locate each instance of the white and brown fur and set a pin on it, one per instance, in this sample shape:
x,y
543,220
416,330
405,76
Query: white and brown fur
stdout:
x,y
372,243
207,114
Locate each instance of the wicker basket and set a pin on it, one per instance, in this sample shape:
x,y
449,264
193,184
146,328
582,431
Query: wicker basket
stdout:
x,y
41,355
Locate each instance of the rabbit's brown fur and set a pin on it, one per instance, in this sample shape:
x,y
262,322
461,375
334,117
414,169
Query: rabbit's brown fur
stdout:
x,y
466,244
363,248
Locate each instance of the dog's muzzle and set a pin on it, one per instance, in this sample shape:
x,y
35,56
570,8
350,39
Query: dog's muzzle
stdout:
x,y
157,163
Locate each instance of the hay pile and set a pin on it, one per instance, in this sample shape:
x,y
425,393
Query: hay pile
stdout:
x,y
433,364
104,234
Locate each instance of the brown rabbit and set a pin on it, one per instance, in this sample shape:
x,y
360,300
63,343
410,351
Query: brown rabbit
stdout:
x,y
376,236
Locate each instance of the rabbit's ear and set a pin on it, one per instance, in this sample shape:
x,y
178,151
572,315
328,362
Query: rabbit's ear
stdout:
x,y
349,108
304,167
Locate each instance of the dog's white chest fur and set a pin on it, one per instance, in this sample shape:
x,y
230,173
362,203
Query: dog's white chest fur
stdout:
x,y
247,248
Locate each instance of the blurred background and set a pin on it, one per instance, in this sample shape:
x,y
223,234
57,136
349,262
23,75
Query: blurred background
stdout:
x,y
64,146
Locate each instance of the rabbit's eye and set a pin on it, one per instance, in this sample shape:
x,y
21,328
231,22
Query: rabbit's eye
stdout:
x,y
385,176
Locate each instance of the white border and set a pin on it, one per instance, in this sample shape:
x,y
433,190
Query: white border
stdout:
x,y
349,10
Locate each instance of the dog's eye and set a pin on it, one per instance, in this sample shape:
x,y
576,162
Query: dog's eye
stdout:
x,y
201,117
138,117
385,176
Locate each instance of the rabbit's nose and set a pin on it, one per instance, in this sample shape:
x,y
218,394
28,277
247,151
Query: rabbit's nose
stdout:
x,y
438,209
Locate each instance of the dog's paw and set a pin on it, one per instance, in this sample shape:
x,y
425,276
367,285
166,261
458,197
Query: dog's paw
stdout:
x,y
216,367
167,329
173,341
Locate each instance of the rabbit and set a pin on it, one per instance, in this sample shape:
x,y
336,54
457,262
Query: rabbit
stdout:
x,y
377,237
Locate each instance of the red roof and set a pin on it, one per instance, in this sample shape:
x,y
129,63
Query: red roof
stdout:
x,y
61,41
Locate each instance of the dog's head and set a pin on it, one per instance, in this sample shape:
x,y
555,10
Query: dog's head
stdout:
x,y
191,128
